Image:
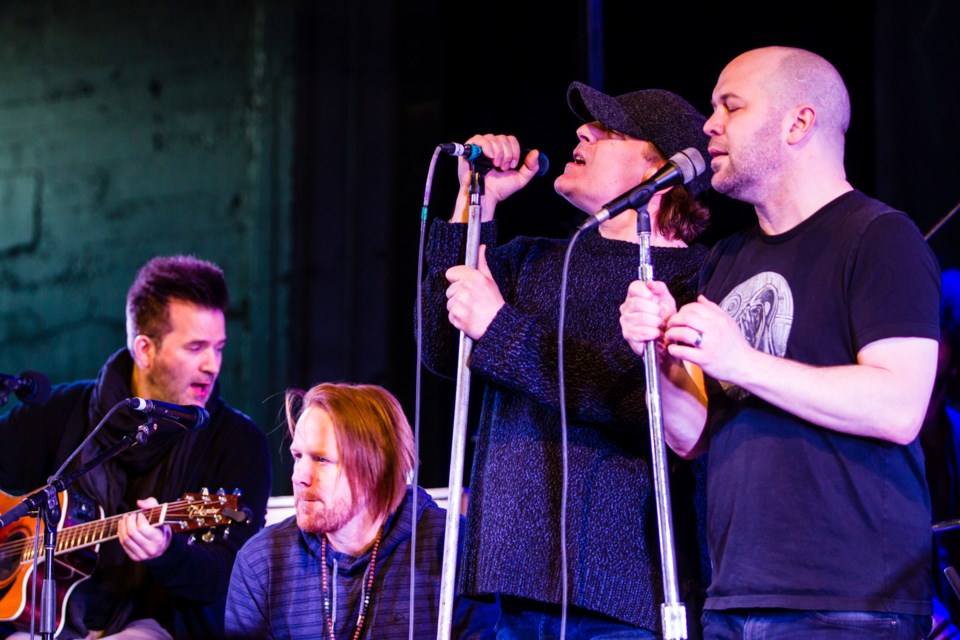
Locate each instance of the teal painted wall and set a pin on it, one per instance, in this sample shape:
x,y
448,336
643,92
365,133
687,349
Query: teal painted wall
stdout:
x,y
129,130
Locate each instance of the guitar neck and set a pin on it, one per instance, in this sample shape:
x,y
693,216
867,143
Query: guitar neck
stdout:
x,y
92,533
192,511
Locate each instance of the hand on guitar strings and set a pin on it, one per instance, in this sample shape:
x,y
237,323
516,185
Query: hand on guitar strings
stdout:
x,y
140,539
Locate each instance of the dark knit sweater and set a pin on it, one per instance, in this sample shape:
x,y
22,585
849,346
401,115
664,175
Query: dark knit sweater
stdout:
x,y
276,586
513,545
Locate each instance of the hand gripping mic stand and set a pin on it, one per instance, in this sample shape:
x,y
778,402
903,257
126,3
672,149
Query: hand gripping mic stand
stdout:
x,y
672,611
46,501
462,404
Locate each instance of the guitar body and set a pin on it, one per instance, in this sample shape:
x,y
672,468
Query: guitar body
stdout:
x,y
17,575
81,529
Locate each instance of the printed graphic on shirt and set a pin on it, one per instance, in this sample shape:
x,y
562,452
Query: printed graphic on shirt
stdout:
x,y
763,309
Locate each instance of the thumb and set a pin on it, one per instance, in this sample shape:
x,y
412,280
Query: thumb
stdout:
x,y
530,165
482,262
148,503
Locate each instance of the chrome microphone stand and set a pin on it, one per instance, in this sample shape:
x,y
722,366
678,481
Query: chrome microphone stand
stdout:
x,y
672,611
461,411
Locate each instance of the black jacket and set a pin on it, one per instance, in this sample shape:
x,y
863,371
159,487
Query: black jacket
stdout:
x,y
185,588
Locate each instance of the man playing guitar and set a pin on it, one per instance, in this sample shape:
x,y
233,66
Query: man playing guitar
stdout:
x,y
147,582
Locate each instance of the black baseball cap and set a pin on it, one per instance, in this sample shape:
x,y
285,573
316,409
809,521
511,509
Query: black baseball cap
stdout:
x,y
658,116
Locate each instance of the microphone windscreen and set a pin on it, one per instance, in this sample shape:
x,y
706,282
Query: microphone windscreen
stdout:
x,y
37,390
690,162
544,164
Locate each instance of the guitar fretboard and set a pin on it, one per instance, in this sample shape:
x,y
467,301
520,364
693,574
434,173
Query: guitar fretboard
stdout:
x,y
183,514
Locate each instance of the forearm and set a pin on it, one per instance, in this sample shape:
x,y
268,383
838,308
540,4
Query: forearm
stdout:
x,y
878,397
684,408
461,209
437,338
201,571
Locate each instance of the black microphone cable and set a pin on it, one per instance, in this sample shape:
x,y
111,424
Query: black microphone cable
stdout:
x,y
563,436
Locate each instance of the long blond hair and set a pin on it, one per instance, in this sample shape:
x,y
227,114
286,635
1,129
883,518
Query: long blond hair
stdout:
x,y
373,436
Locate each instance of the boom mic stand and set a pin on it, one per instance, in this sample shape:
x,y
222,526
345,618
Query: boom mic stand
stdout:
x,y
46,501
941,222
461,408
672,611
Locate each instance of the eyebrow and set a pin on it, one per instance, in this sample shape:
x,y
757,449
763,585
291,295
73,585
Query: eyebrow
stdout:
x,y
199,341
723,97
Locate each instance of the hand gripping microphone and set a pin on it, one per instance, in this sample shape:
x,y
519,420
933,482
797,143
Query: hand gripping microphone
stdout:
x,y
681,168
191,418
474,154
30,386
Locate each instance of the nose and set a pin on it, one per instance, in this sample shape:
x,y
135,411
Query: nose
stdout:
x,y
301,473
212,359
713,126
587,132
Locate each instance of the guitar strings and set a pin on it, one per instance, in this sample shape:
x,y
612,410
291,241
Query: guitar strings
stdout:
x,y
176,513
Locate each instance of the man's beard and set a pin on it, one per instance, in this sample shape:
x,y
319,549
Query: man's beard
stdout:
x,y
320,518
754,162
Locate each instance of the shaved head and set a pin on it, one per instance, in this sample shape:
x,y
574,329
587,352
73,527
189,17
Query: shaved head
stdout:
x,y
798,77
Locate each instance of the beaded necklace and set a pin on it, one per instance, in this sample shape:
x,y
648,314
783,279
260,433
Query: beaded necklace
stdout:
x,y
366,592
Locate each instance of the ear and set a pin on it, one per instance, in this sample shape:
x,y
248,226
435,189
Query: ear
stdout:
x,y
802,124
144,351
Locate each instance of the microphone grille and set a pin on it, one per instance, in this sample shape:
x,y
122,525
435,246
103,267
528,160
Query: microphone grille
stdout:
x,y
543,164
690,162
37,389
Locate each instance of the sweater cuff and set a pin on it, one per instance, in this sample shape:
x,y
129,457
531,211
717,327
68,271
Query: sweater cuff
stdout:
x,y
499,343
446,244
174,556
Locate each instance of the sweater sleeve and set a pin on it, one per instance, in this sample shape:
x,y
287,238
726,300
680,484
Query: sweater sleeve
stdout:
x,y
445,249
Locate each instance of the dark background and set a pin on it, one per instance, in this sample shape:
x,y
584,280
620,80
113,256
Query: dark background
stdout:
x,y
290,141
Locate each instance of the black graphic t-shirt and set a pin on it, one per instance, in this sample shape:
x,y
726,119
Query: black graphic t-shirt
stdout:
x,y
802,517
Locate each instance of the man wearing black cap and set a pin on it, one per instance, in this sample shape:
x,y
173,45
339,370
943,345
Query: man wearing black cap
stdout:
x,y
510,307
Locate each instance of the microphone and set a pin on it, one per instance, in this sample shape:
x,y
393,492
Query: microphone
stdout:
x,y
191,418
681,168
30,386
474,154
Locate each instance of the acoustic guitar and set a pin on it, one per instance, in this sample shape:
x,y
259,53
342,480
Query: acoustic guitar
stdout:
x,y
81,529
